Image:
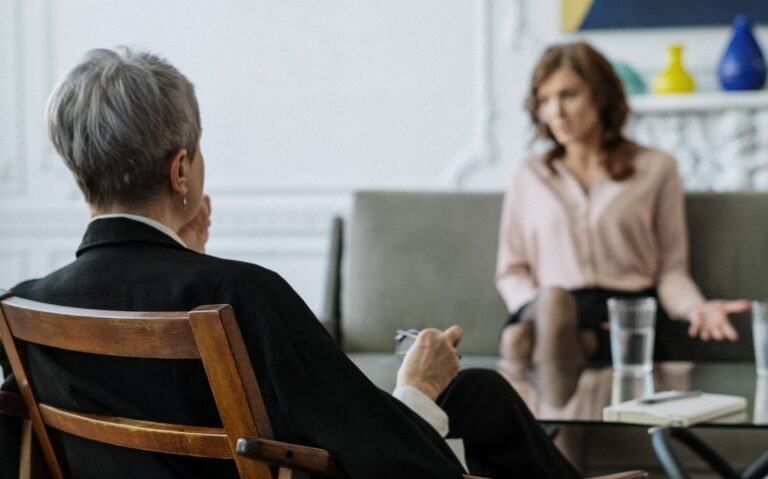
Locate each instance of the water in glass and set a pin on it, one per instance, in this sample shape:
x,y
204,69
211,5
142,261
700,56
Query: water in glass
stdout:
x,y
632,349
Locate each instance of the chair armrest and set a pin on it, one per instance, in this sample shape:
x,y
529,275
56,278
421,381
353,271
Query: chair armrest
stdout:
x,y
294,456
310,459
625,475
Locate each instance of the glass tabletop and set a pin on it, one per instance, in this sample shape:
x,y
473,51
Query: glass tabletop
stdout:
x,y
567,393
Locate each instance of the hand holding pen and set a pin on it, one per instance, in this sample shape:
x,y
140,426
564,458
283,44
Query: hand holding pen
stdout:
x,y
432,362
404,340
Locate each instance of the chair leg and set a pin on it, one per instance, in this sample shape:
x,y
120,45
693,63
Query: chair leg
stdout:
x,y
31,461
286,473
25,456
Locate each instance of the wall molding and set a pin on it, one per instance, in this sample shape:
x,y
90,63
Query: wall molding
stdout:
x,y
480,152
45,223
11,177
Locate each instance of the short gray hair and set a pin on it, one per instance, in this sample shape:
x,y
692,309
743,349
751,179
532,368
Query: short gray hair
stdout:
x,y
117,118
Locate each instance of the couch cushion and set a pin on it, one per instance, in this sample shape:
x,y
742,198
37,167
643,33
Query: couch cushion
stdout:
x,y
728,237
417,260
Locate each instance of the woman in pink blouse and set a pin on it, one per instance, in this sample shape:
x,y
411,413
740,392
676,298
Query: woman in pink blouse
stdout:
x,y
594,217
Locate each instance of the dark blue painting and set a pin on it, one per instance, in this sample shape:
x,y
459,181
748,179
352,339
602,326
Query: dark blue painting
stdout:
x,y
607,14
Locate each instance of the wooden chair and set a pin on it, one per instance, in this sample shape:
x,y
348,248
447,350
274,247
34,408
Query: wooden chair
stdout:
x,y
208,333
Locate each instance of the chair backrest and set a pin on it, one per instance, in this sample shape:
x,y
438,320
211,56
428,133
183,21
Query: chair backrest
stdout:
x,y
207,333
418,259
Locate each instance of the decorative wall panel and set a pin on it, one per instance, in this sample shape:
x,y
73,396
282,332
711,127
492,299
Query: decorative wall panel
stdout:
x,y
720,140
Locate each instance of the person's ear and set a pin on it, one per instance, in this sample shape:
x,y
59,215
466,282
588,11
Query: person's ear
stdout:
x,y
179,172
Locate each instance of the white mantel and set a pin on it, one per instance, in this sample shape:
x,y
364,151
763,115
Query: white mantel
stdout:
x,y
720,139
699,102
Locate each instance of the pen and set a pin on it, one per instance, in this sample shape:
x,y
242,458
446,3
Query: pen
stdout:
x,y
411,333
671,397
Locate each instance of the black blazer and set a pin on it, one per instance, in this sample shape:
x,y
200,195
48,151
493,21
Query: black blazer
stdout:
x,y
313,394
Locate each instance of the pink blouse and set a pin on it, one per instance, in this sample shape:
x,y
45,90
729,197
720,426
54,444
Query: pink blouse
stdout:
x,y
627,235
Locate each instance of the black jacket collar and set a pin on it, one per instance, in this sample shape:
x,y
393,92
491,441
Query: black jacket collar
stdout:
x,y
111,231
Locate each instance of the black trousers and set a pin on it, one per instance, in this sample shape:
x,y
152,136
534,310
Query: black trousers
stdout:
x,y
501,437
592,311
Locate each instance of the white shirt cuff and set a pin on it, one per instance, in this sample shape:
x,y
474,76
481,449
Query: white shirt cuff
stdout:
x,y
422,405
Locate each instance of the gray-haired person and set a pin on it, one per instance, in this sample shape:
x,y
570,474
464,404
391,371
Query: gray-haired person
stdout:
x,y
127,125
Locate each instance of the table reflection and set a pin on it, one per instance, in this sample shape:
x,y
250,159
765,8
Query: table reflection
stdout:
x,y
628,386
573,395
571,392
761,400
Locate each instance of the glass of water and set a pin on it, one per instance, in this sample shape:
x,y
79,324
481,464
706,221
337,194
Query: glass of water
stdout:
x,y
760,336
632,324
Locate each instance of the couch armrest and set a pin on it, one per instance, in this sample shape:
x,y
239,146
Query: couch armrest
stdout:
x,y
331,316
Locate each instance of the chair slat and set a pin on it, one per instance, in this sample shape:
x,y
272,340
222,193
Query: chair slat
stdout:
x,y
145,435
114,333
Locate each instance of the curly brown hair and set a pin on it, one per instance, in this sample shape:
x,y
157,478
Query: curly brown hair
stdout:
x,y
607,93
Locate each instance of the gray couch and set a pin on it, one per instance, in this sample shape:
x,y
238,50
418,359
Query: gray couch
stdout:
x,y
419,259
427,259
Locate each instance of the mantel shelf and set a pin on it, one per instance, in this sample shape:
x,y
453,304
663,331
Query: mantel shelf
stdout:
x,y
699,102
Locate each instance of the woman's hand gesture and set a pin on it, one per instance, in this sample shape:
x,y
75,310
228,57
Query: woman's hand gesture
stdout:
x,y
709,320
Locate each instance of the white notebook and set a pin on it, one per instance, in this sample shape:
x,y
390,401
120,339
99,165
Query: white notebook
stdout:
x,y
678,412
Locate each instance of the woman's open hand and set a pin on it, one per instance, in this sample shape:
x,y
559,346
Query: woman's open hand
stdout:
x,y
709,320
195,232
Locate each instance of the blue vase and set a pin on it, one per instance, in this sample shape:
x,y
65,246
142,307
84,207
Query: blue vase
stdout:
x,y
743,64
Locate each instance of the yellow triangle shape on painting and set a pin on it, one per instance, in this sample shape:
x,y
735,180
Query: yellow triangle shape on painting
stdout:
x,y
572,13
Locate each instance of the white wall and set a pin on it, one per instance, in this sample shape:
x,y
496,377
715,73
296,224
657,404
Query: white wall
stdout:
x,y
303,101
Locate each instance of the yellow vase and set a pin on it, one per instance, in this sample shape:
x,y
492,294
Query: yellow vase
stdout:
x,y
674,78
